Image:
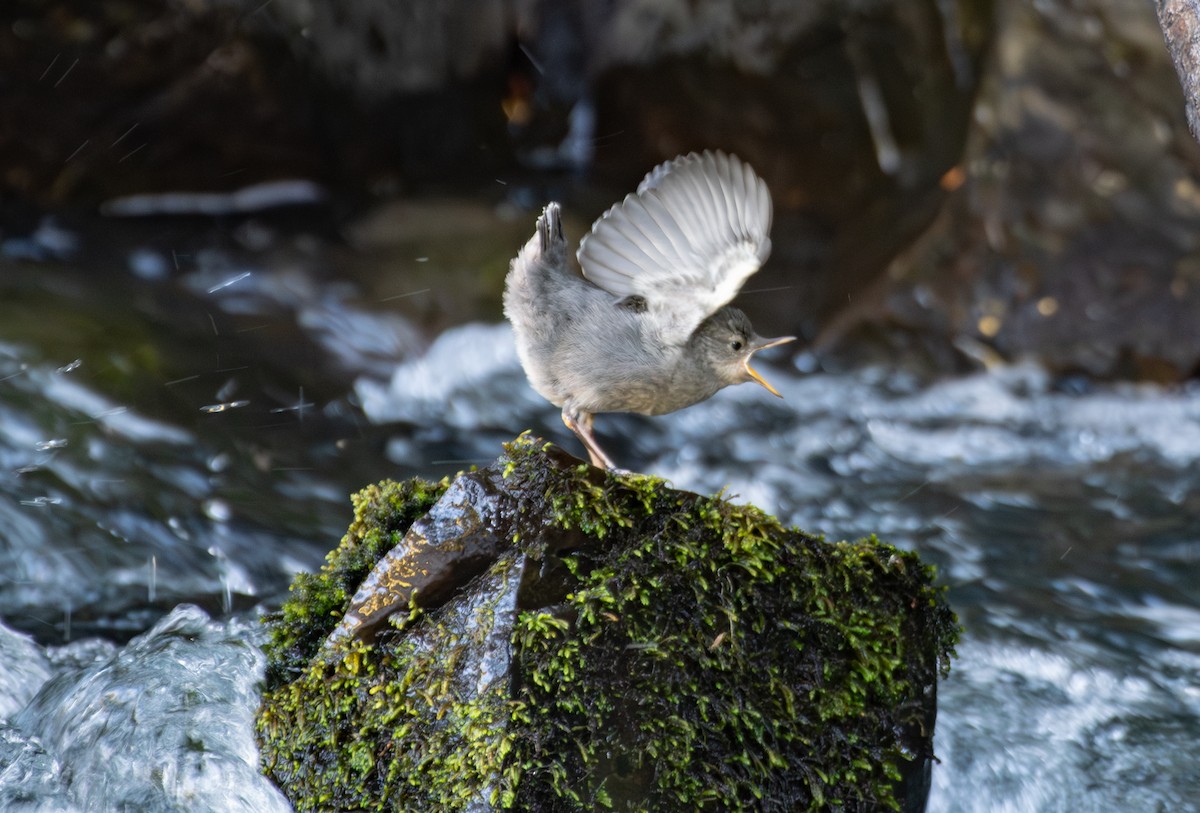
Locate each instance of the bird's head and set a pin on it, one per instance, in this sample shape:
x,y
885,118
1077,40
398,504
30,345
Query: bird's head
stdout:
x,y
725,342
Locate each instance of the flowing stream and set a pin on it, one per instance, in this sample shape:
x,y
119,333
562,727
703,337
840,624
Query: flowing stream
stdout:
x,y
188,435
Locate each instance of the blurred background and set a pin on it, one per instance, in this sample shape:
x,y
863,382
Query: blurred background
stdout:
x,y
252,254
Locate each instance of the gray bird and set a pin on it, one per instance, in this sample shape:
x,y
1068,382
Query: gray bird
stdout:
x,y
646,328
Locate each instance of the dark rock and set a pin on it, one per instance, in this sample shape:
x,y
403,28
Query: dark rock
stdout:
x,y
105,99
1181,28
122,98
549,636
1071,236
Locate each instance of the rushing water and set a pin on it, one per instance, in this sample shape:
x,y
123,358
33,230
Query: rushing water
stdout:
x,y
173,436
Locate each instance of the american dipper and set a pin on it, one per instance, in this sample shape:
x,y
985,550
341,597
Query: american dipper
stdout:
x,y
646,328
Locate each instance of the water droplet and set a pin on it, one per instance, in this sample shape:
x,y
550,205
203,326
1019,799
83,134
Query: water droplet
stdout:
x,y
42,502
217,510
223,407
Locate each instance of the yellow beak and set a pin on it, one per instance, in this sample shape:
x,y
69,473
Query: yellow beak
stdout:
x,y
754,373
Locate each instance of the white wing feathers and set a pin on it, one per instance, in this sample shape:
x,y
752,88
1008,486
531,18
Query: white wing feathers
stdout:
x,y
686,241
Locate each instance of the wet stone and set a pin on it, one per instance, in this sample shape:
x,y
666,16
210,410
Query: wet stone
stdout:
x,y
443,550
543,635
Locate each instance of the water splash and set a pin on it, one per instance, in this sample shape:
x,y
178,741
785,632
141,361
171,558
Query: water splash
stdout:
x,y
166,723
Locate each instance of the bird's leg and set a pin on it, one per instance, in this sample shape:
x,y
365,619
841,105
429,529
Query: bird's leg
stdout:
x,y
580,423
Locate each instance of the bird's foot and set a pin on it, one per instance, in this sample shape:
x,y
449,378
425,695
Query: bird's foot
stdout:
x,y
580,423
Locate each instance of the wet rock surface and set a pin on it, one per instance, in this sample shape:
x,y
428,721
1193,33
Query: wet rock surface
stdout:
x,y
467,531
559,638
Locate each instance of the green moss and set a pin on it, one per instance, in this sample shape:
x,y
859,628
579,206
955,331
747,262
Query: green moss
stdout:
x,y
383,513
406,725
729,663
700,657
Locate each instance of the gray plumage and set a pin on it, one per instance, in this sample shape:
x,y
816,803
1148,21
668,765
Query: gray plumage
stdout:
x,y
646,328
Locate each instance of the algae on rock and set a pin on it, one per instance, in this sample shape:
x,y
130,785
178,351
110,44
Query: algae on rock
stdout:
x,y
631,647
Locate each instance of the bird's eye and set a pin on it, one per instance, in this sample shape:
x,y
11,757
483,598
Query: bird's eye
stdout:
x,y
735,345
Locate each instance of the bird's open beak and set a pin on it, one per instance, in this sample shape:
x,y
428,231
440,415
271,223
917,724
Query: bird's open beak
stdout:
x,y
763,346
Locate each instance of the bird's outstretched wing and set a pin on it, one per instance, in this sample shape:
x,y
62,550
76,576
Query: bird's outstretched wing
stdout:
x,y
696,228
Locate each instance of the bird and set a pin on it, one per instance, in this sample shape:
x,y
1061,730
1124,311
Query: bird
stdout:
x,y
644,324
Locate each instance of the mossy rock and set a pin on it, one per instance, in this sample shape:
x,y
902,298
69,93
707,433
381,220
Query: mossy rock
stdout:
x,y
609,642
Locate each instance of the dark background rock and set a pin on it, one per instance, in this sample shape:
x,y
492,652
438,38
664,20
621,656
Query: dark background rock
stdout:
x,y
953,180
1073,237
104,99
1180,21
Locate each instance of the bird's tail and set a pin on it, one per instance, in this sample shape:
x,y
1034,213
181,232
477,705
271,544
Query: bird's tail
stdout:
x,y
538,266
550,233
